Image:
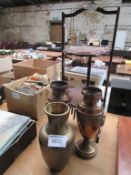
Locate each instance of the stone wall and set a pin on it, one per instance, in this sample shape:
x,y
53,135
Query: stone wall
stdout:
x,y
32,23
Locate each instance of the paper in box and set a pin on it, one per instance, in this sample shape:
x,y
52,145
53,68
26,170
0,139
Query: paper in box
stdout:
x,y
23,103
41,66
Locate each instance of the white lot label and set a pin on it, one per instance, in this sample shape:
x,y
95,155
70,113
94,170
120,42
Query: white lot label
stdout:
x,y
15,95
57,141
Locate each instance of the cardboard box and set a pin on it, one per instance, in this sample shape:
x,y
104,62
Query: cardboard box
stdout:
x,y
124,69
18,146
9,75
2,82
29,67
25,104
5,64
6,68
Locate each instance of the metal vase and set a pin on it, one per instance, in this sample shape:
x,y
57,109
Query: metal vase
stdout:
x,y
59,92
56,157
90,118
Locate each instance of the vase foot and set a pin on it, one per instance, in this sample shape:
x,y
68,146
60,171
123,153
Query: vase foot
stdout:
x,y
85,151
55,171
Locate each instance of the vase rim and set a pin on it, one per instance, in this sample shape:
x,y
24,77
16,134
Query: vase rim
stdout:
x,y
60,83
61,114
95,90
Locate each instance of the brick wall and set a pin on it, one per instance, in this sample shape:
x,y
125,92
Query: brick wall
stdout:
x,y
32,23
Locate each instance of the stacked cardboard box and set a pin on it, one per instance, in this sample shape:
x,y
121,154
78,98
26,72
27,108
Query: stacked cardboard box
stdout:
x,y
23,103
29,67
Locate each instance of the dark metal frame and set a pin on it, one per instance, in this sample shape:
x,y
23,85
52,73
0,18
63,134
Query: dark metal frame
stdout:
x,y
105,12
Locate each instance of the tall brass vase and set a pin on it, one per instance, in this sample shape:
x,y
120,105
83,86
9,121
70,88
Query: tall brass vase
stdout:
x,y
90,118
56,157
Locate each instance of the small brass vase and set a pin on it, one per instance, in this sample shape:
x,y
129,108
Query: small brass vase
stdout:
x,y
59,92
90,118
56,157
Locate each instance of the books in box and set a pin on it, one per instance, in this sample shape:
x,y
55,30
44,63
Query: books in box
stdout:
x,y
16,132
11,126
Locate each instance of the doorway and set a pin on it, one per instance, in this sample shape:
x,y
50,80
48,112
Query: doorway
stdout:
x,y
56,31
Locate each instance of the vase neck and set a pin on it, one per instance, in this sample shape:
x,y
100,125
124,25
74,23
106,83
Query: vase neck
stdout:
x,y
57,125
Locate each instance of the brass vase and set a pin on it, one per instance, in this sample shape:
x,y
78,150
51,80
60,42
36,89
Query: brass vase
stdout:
x,y
56,155
90,118
59,92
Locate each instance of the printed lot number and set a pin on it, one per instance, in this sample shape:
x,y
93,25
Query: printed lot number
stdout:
x,y
57,141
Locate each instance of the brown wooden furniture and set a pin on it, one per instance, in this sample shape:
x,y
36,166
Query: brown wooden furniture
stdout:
x,y
106,59
115,61
51,54
48,53
124,146
30,161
